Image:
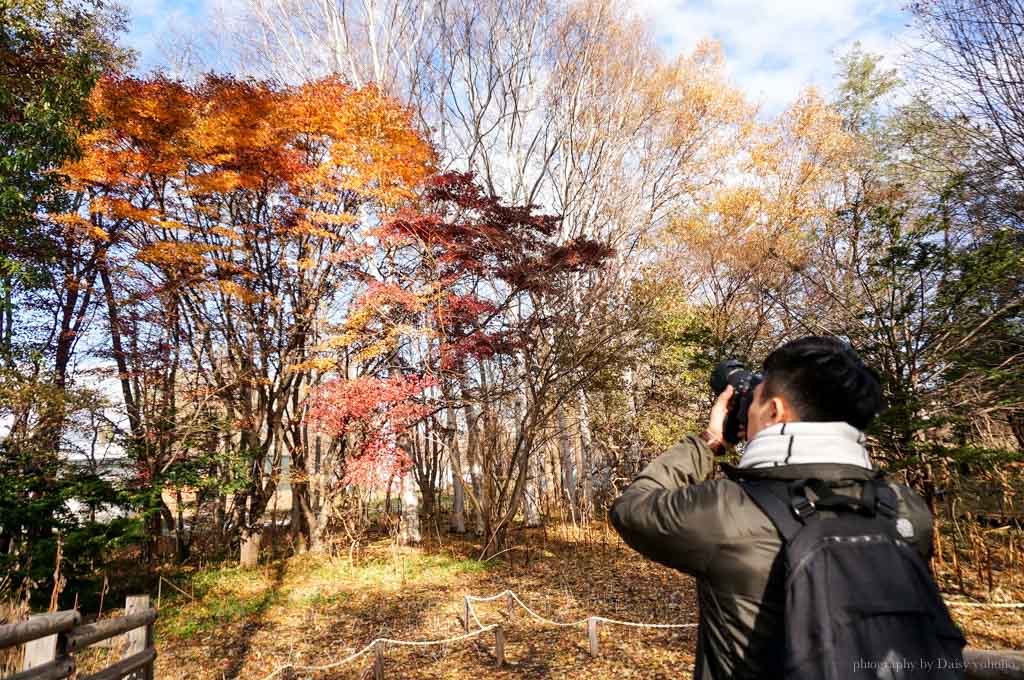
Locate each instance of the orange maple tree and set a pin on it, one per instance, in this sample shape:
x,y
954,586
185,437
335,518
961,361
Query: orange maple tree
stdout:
x,y
235,219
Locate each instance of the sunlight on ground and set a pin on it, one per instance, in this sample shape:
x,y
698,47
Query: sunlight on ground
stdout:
x,y
314,610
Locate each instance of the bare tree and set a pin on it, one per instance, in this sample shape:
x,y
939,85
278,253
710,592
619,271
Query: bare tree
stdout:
x,y
973,62
569,106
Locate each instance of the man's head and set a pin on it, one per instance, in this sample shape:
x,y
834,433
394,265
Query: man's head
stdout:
x,y
814,379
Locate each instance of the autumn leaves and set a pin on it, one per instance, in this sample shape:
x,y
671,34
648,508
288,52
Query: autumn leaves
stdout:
x,y
284,263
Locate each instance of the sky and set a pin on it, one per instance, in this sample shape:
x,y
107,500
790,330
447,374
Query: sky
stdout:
x,y
774,48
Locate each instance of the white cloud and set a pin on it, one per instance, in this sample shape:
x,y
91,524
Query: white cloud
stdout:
x,y
776,48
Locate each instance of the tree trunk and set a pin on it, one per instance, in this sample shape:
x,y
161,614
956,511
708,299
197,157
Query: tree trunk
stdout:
x,y
249,553
457,520
586,452
179,527
387,495
533,495
565,452
497,532
305,527
220,516
410,529
428,496
315,507
251,533
299,531
476,470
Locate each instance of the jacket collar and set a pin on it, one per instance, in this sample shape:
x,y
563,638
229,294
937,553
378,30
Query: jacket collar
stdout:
x,y
826,471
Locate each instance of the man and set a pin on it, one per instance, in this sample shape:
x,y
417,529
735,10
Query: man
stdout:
x,y
805,421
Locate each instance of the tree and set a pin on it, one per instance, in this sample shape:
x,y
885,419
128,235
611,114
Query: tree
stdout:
x,y
970,61
367,421
492,282
240,214
51,54
735,250
569,106
905,270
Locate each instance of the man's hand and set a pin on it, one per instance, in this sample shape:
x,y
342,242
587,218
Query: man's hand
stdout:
x,y
716,424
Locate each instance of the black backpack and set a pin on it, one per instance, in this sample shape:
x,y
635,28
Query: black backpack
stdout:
x,y
860,600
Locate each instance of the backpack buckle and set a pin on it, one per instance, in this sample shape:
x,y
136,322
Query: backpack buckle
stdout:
x,y
802,507
886,502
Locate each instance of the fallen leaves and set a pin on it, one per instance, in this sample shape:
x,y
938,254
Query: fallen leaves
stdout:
x,y
315,610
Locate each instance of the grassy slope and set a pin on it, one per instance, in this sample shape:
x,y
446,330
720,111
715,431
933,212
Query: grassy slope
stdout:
x,y
314,610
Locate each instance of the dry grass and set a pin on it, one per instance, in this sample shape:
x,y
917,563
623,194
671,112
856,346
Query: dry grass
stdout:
x,y
14,607
980,565
314,610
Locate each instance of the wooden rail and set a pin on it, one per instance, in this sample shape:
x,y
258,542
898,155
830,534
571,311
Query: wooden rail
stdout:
x,y
51,640
984,664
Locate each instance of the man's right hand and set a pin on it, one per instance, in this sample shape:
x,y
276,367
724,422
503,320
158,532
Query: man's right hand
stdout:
x,y
716,423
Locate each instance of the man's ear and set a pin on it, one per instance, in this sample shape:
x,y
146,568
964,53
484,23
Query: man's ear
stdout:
x,y
781,411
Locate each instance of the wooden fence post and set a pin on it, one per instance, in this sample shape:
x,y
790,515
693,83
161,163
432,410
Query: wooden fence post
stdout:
x,y
465,613
592,633
150,644
510,604
499,645
138,638
378,661
39,651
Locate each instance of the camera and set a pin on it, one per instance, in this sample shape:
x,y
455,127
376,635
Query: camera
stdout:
x,y
743,381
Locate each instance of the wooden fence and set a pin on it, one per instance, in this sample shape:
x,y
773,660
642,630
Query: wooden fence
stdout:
x,y
52,640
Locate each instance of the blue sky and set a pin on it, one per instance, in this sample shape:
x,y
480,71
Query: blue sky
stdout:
x,y
774,48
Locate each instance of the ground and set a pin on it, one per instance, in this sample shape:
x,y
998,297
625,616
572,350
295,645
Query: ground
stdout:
x,y
315,610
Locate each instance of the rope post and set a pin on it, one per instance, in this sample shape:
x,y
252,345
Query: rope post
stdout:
x,y
465,613
510,603
499,645
592,633
378,661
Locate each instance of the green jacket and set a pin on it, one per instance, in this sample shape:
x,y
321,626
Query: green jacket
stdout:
x,y
676,514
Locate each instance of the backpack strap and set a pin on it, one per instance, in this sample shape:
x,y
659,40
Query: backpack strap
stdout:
x,y
886,501
788,517
828,499
782,515
877,498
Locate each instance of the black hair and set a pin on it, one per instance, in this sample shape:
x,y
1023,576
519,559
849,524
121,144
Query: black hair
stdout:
x,y
824,380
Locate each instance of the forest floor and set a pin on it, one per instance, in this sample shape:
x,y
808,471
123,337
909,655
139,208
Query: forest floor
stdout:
x,y
313,611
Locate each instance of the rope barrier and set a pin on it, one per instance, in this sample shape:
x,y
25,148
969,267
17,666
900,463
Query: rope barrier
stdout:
x,y
645,625
164,580
469,599
991,605
533,614
374,643
567,624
